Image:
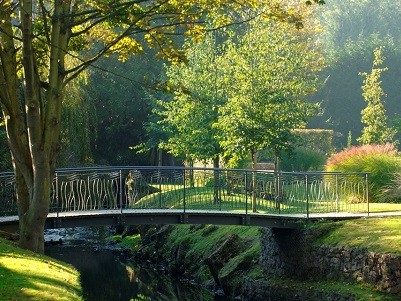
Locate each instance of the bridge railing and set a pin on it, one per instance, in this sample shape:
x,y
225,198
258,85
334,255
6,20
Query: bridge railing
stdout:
x,y
182,188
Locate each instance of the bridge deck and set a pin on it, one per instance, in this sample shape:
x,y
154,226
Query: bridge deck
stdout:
x,y
174,216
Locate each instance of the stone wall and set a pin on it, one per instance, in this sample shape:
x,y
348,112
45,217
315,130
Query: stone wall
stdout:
x,y
291,253
260,290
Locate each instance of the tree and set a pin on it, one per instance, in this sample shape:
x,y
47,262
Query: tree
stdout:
x,y
77,119
197,94
267,74
268,71
351,31
376,130
117,91
188,117
37,37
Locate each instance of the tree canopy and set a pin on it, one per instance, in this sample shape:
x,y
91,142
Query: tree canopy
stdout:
x,y
351,32
239,93
44,45
376,130
190,106
268,72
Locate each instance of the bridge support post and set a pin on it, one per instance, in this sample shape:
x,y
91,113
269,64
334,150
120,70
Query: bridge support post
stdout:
x,y
282,251
246,193
184,192
57,196
367,191
121,191
307,198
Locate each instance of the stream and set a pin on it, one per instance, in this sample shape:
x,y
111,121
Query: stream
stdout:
x,y
107,275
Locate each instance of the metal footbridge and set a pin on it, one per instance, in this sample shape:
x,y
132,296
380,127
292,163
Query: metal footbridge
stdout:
x,y
178,195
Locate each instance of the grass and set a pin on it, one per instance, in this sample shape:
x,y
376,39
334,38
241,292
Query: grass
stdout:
x,y
376,234
202,198
384,207
131,242
362,292
25,275
203,240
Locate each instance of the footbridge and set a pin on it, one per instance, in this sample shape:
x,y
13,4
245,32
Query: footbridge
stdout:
x,y
179,195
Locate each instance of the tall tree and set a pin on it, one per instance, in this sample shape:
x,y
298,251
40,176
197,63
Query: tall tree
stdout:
x,y
117,91
78,117
376,130
36,37
351,31
268,72
197,95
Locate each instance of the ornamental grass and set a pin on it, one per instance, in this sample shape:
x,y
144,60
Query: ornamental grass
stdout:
x,y
382,162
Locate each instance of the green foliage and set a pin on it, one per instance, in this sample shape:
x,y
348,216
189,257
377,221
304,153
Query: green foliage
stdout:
x,y
268,71
374,117
77,119
121,108
351,31
349,21
236,94
5,157
380,161
311,149
195,95
318,140
349,139
302,159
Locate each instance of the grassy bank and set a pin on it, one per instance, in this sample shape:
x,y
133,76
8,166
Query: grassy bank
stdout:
x,y
28,276
376,234
381,235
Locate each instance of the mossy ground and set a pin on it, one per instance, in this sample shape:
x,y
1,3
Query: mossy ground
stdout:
x,y
25,275
376,234
381,235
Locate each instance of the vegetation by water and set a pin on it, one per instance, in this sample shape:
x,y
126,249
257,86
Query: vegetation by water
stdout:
x,y
25,275
376,234
196,243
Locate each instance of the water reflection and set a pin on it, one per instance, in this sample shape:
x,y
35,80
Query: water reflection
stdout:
x,y
105,278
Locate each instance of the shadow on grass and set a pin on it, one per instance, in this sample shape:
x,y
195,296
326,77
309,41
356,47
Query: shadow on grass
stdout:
x,y
19,281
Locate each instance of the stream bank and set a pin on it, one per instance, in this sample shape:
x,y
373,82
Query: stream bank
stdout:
x,y
108,271
248,263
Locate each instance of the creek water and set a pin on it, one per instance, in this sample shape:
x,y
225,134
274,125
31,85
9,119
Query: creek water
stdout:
x,y
106,274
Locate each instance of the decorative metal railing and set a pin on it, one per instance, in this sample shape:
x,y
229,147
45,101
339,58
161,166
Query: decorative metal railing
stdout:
x,y
199,189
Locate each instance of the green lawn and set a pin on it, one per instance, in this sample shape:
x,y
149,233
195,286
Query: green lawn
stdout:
x,y
28,276
377,234
202,198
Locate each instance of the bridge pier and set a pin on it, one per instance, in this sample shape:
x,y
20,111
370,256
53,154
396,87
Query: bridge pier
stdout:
x,y
282,252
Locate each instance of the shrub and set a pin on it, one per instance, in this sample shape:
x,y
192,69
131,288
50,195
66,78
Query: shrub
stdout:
x,y
380,161
316,140
392,191
302,160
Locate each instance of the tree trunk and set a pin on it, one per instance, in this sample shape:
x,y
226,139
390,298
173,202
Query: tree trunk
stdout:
x,y
276,160
33,207
216,180
277,179
32,115
191,173
159,157
254,180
